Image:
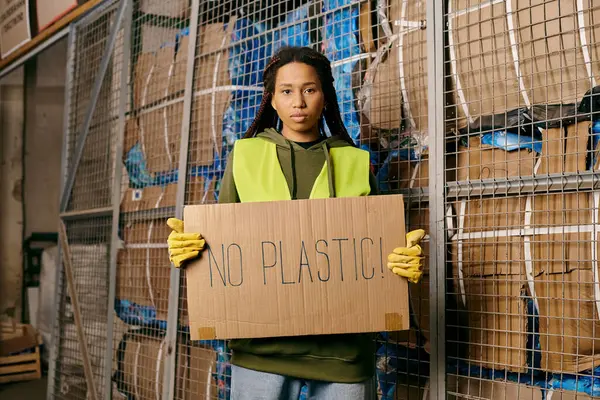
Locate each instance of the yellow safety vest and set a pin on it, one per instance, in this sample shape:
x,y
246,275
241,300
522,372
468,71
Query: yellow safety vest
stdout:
x,y
258,175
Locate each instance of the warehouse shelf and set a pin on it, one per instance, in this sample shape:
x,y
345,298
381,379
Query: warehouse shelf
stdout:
x,y
44,39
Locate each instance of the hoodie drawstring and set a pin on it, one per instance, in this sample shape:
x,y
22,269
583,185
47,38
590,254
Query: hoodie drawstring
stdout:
x,y
329,170
293,168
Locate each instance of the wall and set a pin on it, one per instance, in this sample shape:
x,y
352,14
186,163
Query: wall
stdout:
x,y
29,182
43,142
11,174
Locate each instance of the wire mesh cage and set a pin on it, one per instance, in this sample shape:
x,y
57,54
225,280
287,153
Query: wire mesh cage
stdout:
x,y
522,247
483,114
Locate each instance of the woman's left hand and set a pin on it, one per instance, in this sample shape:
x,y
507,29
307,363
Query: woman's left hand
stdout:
x,y
408,261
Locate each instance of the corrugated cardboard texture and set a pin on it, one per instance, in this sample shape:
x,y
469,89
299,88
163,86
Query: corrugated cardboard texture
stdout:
x,y
561,264
544,50
403,71
553,151
143,363
492,281
484,162
208,108
497,321
149,198
143,273
576,146
472,388
569,319
410,174
296,267
569,322
152,197
484,256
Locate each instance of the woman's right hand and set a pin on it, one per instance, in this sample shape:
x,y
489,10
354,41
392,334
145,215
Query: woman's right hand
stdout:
x,y
183,246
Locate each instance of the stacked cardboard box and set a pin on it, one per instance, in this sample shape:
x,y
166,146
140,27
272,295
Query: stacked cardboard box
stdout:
x,y
159,85
400,80
538,52
141,362
462,387
538,248
143,266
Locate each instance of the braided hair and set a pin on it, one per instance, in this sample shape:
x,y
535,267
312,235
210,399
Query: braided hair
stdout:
x,y
267,117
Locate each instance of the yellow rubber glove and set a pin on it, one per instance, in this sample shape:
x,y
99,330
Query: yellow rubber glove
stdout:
x,y
183,246
408,261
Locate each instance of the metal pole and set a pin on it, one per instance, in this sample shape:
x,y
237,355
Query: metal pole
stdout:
x,y
437,287
56,312
116,196
173,313
72,169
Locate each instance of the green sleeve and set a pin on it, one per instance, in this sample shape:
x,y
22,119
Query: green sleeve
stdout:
x,y
373,184
228,192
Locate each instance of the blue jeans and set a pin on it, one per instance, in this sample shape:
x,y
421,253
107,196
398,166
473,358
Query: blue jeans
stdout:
x,y
247,384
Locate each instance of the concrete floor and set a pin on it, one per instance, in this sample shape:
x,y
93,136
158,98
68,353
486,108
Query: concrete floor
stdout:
x,y
31,390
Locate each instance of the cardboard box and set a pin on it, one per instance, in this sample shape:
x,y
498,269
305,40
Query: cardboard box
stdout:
x,y
212,85
142,366
400,83
460,387
319,273
503,60
200,190
143,266
15,26
160,81
484,162
489,279
537,247
174,8
50,11
149,198
410,174
564,284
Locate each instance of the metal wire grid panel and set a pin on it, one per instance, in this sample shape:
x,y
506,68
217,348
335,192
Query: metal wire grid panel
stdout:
x,y
196,85
520,236
523,295
84,328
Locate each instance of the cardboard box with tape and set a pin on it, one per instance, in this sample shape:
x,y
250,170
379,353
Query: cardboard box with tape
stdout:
x,y
319,273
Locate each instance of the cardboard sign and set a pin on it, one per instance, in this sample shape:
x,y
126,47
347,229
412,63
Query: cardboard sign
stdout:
x,y
50,11
15,30
291,268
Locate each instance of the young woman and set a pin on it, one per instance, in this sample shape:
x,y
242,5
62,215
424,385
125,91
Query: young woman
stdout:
x,y
286,155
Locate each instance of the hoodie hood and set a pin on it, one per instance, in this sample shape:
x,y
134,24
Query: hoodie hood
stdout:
x,y
285,145
273,136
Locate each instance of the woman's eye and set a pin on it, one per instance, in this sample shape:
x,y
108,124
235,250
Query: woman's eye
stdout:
x,y
310,90
286,91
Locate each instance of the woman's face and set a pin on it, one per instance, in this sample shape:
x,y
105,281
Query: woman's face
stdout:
x,y
298,100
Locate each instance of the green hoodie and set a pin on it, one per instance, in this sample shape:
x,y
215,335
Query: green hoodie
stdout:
x,y
332,358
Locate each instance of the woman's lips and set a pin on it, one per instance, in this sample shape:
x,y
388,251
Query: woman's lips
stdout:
x,y
299,117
